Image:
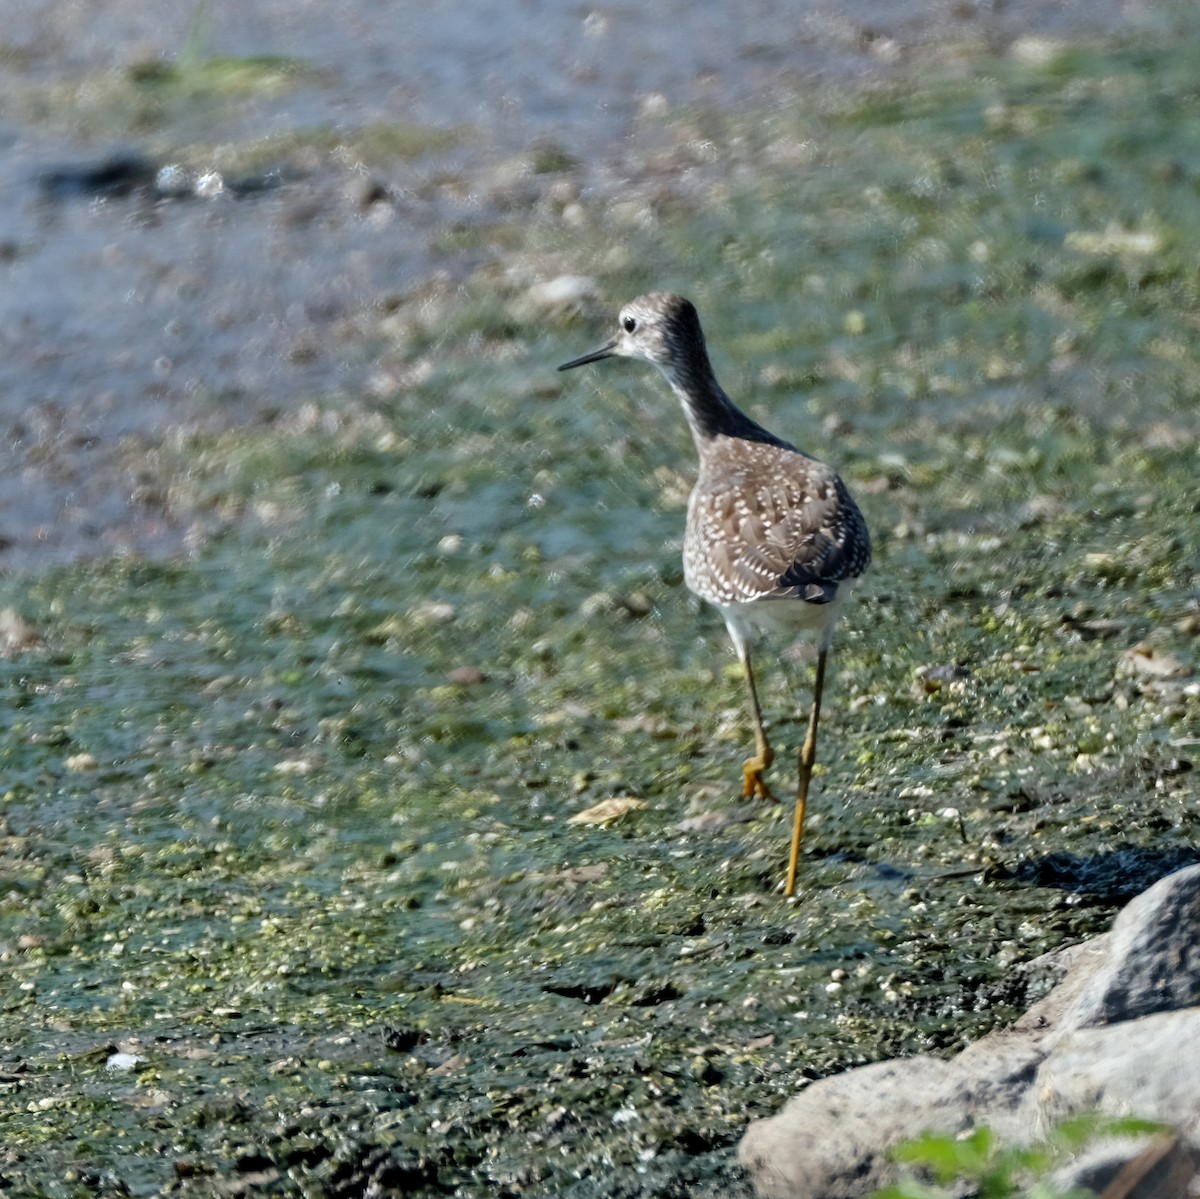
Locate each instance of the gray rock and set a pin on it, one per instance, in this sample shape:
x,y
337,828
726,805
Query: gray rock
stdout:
x,y
1148,1068
1154,960
832,1139
1119,1033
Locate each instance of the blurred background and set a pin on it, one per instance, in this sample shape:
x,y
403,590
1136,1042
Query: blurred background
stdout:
x,y
355,154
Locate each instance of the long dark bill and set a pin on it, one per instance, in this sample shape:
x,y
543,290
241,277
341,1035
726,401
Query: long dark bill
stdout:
x,y
605,351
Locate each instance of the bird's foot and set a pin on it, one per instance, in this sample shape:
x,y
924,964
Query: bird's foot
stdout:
x,y
754,786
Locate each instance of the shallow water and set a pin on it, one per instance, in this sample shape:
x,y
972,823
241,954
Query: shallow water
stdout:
x,y
129,315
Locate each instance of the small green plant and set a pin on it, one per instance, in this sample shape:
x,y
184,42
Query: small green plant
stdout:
x,y
992,1170
196,72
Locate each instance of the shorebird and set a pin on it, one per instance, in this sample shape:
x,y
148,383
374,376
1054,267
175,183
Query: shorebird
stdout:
x,y
774,540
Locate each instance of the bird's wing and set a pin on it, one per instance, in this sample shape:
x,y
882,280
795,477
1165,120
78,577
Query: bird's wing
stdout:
x,y
776,525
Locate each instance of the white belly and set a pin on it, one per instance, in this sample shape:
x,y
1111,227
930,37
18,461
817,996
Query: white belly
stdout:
x,y
786,618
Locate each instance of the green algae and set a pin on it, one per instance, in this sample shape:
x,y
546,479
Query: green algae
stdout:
x,y
149,97
264,832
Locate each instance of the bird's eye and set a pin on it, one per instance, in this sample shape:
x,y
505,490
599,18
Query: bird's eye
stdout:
x,y
629,324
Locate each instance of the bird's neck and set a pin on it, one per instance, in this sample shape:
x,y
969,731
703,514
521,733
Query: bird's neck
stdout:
x,y
710,412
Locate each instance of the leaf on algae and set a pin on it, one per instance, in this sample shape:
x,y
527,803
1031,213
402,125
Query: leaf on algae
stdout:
x,y
608,811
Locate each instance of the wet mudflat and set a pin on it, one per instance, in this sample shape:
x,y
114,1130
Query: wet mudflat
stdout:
x,y
290,171
293,901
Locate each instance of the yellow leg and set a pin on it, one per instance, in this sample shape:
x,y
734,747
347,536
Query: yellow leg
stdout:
x,y
753,784
808,755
